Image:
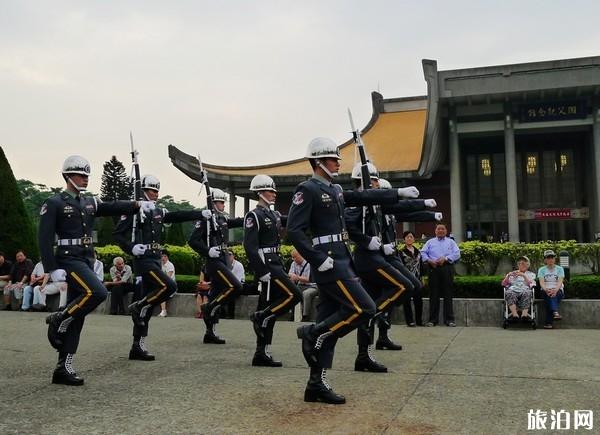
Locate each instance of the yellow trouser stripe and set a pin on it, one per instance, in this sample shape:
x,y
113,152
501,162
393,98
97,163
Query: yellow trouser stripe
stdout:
x,y
288,299
396,295
88,293
356,307
224,295
161,290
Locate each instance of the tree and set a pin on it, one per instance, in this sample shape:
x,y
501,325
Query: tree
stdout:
x,y
34,195
16,231
175,235
105,226
171,204
115,182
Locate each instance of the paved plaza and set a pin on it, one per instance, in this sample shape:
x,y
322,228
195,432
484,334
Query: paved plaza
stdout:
x,y
445,381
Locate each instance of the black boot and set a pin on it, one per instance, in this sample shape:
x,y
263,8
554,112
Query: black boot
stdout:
x,y
64,372
211,337
263,357
138,311
319,390
57,326
139,352
366,363
384,342
312,339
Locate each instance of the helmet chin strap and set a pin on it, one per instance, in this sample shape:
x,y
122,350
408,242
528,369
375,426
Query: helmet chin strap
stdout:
x,y
79,189
327,171
265,199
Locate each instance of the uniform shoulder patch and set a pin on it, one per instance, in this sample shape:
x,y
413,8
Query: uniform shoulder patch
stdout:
x,y
198,224
298,198
123,217
249,222
44,209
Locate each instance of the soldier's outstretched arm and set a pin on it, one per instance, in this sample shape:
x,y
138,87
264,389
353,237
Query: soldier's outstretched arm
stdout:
x,y
404,206
235,222
116,208
172,217
122,233
46,233
370,197
417,216
251,245
298,223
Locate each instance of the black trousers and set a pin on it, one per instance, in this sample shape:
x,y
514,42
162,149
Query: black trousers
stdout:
x,y
440,285
343,306
223,286
85,293
387,287
117,295
157,288
277,297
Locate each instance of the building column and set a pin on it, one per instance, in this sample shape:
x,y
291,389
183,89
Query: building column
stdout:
x,y
510,157
596,187
456,202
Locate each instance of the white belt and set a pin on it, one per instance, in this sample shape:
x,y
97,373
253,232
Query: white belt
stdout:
x,y
330,238
269,250
74,242
153,246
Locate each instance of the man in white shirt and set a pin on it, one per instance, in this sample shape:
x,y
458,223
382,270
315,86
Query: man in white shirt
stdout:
x,y
121,284
169,269
300,275
239,272
36,278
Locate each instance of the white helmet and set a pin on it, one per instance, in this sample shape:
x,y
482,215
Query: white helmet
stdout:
x,y
322,147
76,165
218,195
150,182
373,172
384,184
262,182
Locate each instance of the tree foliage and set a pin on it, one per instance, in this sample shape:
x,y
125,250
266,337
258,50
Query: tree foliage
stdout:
x,y
115,181
16,230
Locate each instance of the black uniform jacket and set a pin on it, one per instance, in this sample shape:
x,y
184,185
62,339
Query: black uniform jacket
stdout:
x,y
201,242
73,218
149,232
318,207
261,231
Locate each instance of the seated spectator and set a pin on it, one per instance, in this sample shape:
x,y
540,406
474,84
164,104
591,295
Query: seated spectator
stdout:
x,y
46,288
121,284
518,284
239,272
203,288
37,276
551,279
5,267
98,267
19,277
299,274
169,269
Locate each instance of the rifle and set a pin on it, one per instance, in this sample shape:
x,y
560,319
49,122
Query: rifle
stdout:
x,y
365,179
211,225
137,191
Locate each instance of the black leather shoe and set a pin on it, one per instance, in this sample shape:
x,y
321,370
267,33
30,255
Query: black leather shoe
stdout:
x,y
7,308
54,337
364,363
319,390
386,343
211,338
61,376
261,359
137,353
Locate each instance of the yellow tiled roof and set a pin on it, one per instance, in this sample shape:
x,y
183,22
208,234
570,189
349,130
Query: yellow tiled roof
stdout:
x,y
394,143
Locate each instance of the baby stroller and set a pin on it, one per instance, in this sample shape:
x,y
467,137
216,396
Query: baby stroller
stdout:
x,y
530,322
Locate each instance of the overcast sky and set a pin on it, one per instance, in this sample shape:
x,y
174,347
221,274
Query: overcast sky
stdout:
x,y
239,82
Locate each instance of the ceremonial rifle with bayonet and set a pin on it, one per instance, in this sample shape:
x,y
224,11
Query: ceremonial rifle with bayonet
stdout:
x,y
368,211
137,192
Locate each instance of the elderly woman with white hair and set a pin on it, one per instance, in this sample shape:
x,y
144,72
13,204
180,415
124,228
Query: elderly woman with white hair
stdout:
x,y
519,284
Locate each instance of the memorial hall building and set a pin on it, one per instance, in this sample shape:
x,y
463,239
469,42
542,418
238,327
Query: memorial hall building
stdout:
x,y
510,152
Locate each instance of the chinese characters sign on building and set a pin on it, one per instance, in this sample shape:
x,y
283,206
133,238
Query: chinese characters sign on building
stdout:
x,y
554,213
553,111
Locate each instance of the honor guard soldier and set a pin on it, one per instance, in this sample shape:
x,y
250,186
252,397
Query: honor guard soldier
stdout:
x,y
418,214
261,241
70,217
141,235
209,239
318,207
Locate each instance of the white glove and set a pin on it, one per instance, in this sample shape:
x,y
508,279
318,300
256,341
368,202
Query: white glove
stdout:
x,y
430,203
388,249
438,216
374,244
206,214
147,206
327,265
58,275
266,277
214,252
408,192
138,249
